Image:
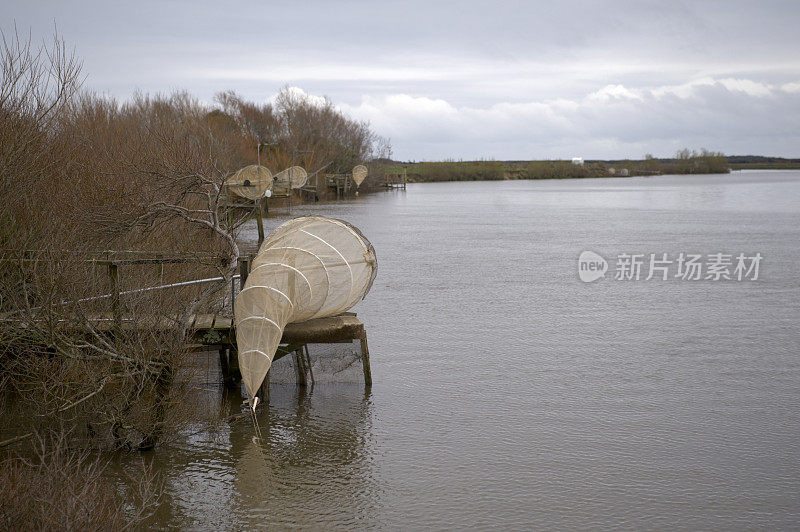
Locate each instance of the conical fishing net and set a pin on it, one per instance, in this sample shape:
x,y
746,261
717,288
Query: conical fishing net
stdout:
x,y
359,174
309,267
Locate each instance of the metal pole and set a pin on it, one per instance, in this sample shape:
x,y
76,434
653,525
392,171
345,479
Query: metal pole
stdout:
x,y
290,181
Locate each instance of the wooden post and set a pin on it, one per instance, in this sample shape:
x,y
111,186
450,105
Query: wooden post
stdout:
x,y
260,222
244,271
301,366
365,361
224,368
233,364
116,311
229,365
308,364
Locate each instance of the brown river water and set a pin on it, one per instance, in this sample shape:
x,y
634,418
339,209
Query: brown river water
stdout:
x,y
509,393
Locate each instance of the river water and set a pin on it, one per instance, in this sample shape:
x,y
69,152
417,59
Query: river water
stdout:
x,y
509,393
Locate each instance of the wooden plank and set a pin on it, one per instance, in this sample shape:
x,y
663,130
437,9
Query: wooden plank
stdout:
x,y
324,330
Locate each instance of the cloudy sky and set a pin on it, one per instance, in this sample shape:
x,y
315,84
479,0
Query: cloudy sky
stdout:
x,y
468,79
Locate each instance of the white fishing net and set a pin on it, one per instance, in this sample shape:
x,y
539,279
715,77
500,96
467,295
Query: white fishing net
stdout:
x,y
251,182
359,174
309,267
292,177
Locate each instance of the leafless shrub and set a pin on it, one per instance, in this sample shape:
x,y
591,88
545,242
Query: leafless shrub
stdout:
x,y
300,130
81,174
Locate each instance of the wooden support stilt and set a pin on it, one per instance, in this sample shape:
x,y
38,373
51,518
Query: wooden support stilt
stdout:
x,y
244,271
301,366
365,361
308,364
260,222
224,369
229,367
233,364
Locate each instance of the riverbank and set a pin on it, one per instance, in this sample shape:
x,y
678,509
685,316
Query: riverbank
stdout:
x,y
686,163
758,162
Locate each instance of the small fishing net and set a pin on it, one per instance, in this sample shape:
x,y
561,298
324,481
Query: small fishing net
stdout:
x,y
251,182
359,174
292,178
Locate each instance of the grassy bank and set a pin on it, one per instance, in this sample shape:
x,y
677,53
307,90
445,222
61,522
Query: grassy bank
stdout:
x,y
758,162
685,162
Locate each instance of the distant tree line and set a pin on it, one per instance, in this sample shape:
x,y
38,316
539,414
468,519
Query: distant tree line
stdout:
x,y
685,162
759,162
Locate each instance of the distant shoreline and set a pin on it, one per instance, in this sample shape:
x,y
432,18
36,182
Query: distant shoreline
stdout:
x,y
421,172
686,163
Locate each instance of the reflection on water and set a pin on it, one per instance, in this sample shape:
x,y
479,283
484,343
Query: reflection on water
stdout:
x,y
309,439
510,394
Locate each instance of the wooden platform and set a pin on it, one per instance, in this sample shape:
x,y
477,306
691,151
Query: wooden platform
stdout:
x,y
216,331
343,328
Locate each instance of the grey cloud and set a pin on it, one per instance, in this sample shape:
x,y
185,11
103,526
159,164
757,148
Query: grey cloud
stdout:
x,y
600,125
498,65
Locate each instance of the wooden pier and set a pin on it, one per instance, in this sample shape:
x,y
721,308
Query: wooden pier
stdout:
x,y
396,180
210,331
339,182
309,190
